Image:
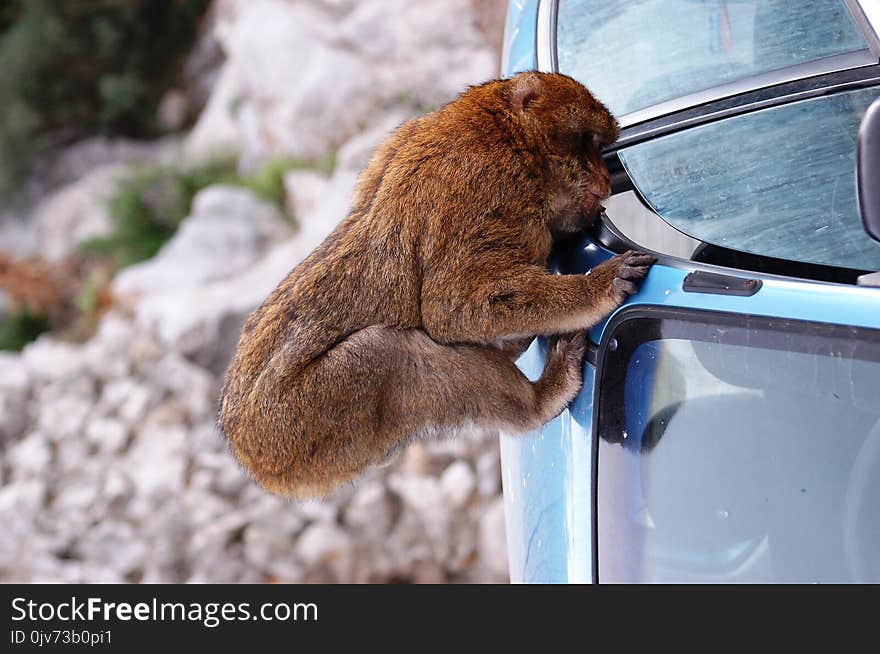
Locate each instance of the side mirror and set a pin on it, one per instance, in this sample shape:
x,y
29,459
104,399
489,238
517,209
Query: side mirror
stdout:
x,y
868,170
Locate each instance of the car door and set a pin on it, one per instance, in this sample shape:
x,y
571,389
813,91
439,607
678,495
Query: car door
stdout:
x,y
729,424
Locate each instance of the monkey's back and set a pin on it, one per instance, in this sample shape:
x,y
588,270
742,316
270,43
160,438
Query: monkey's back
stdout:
x,y
355,278
436,185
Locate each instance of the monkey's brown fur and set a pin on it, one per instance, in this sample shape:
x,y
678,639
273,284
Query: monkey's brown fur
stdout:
x,y
407,319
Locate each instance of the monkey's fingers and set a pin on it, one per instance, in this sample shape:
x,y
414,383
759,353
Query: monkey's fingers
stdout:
x,y
572,345
563,341
576,344
634,258
625,286
633,272
641,259
624,255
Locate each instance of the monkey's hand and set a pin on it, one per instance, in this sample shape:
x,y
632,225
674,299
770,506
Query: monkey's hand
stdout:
x,y
619,274
564,370
569,349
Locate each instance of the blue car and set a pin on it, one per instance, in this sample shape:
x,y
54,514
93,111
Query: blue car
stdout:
x,y
728,429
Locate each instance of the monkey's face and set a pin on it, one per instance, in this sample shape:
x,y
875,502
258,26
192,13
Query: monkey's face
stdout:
x,y
593,177
574,127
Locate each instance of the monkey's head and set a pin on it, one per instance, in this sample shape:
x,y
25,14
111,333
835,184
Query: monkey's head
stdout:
x,y
564,120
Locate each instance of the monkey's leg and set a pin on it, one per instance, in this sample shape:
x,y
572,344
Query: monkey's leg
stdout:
x,y
382,387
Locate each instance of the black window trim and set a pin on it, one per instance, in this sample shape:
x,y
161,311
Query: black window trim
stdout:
x,y
724,260
706,319
810,79
610,236
749,102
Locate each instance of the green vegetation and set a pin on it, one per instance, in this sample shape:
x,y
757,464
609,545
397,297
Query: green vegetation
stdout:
x,y
148,206
92,298
20,328
81,67
268,182
146,209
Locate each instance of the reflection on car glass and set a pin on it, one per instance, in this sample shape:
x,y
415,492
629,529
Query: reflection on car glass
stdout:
x,y
637,54
739,452
778,182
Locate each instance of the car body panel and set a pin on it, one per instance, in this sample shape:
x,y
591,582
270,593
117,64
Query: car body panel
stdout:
x,y
518,53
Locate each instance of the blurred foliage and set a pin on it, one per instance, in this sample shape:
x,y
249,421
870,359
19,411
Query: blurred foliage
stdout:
x,y
93,299
33,291
267,182
77,67
32,284
18,328
68,297
148,206
74,68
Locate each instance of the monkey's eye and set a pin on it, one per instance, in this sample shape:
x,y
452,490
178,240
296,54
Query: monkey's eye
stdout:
x,y
591,140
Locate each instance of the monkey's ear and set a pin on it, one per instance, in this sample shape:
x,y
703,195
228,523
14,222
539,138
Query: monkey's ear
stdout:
x,y
526,90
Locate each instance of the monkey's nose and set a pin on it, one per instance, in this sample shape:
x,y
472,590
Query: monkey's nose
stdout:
x,y
600,188
599,182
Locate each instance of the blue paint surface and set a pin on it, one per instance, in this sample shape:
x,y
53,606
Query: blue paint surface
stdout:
x,y
546,478
519,37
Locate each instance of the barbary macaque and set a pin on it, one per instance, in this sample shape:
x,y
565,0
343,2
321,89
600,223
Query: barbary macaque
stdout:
x,y
407,320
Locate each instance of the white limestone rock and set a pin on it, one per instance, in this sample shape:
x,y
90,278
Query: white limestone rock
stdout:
x,y
458,484
227,230
76,212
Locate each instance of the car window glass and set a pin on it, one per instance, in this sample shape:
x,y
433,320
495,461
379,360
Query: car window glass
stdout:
x,y
634,55
738,453
777,182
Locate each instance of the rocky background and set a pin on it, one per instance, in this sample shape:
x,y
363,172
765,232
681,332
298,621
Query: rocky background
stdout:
x,y
111,469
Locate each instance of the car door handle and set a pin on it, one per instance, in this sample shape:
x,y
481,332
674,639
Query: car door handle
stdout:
x,y
700,281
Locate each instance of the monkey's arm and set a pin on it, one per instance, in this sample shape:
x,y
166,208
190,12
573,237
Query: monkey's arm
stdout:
x,y
526,300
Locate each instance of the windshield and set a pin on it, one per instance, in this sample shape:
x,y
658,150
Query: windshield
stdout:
x,y
637,54
778,182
